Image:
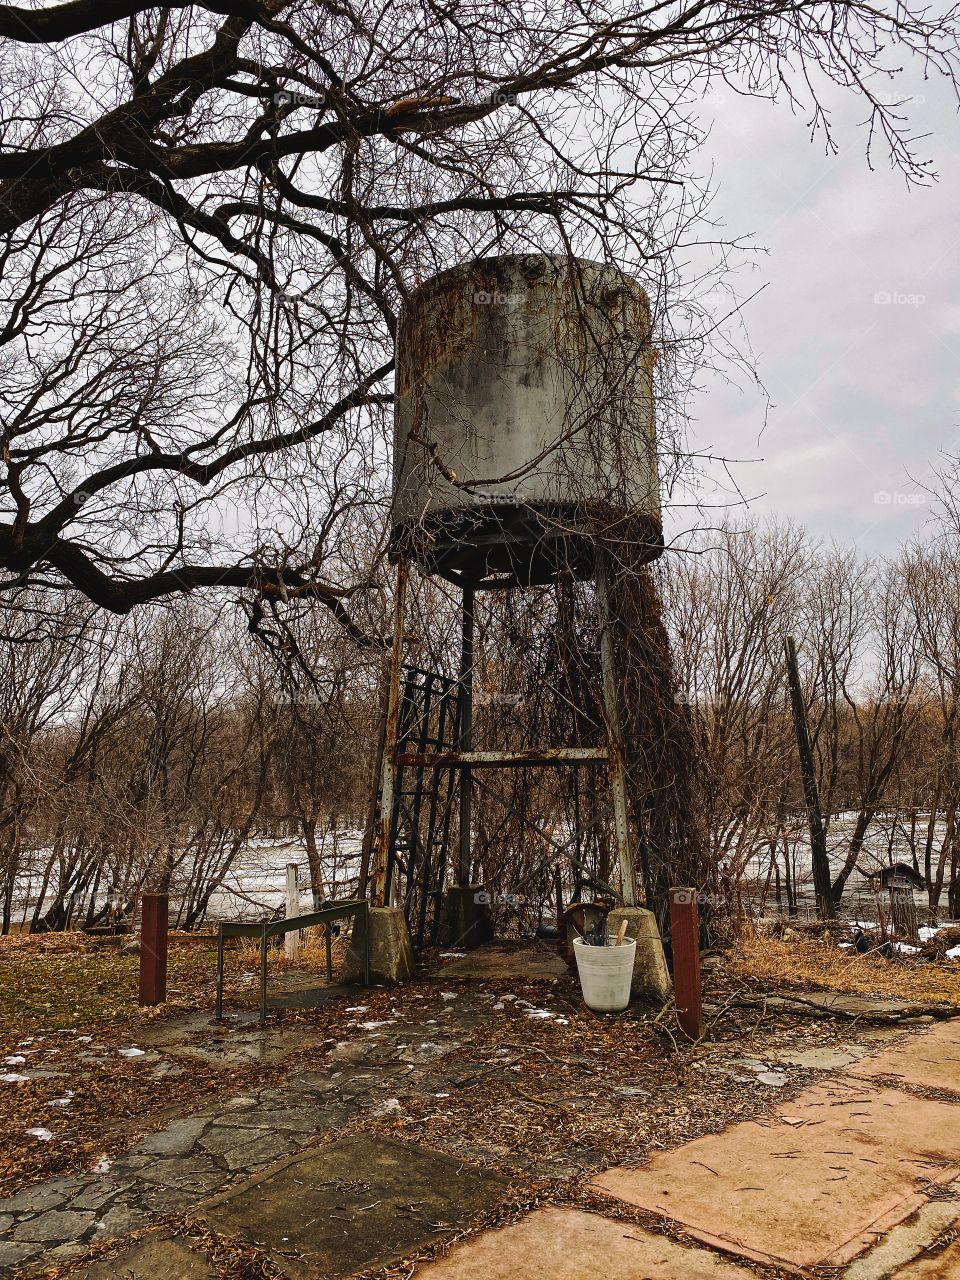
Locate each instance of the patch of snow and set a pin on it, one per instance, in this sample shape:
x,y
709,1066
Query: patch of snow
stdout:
x,y
357,1008
62,1102
132,1052
953,953
14,1060
102,1166
448,995
372,1026
905,949
499,1005
11,1077
41,1134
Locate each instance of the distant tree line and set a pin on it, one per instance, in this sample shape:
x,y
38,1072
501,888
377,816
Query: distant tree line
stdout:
x,y
153,749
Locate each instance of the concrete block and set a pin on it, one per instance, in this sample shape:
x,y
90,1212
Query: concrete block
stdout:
x,y
391,955
651,977
465,917
813,1186
567,1244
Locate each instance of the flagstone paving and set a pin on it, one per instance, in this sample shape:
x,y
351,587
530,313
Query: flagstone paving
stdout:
x,y
941,1265
196,1156
816,1185
358,1203
156,1259
930,1060
568,1244
819,1183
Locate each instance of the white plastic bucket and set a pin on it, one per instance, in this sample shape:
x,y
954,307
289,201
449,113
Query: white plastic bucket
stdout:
x,y
605,973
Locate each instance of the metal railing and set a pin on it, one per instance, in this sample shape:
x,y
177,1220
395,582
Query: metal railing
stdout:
x,y
277,928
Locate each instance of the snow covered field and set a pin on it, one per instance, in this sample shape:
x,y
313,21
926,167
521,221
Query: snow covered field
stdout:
x,y
255,884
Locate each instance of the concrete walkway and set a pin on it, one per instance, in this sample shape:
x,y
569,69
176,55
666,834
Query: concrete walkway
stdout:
x,y
859,1173
850,1175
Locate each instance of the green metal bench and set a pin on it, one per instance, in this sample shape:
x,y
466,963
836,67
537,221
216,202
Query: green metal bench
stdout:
x,y
276,928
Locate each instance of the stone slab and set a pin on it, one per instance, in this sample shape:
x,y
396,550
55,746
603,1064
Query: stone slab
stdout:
x,y
567,1244
150,1260
848,1004
309,995
911,1241
816,1184
358,1203
930,1059
237,1041
496,964
943,1265
822,1058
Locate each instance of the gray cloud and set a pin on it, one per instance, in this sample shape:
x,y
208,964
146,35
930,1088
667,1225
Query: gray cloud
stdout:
x,y
857,333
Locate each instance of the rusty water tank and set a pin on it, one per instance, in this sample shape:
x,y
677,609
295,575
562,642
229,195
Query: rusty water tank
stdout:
x,y
524,419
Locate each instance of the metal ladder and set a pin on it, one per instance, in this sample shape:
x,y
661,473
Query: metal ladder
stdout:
x,y
424,800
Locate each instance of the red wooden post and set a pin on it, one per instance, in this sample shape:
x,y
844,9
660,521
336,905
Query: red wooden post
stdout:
x,y
685,938
153,948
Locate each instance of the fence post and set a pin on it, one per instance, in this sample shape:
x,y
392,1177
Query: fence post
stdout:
x,y
291,940
153,947
685,939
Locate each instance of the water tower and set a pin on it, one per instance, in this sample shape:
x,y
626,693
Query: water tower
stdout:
x,y
524,445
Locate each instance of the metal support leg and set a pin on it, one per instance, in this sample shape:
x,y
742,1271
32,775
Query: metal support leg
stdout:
x,y
220,973
611,711
263,975
382,879
466,735
366,945
328,946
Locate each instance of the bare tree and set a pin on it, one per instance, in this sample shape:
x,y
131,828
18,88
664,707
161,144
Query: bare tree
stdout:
x,y
211,212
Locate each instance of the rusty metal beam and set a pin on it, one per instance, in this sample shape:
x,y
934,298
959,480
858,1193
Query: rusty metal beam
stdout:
x,y
542,756
685,940
153,948
465,739
388,776
611,714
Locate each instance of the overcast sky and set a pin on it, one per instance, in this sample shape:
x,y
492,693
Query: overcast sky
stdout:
x,y
857,334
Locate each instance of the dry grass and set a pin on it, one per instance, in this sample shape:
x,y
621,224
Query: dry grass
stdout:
x,y
821,964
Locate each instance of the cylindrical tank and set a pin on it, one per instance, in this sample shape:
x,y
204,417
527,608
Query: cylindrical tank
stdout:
x,y
524,421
